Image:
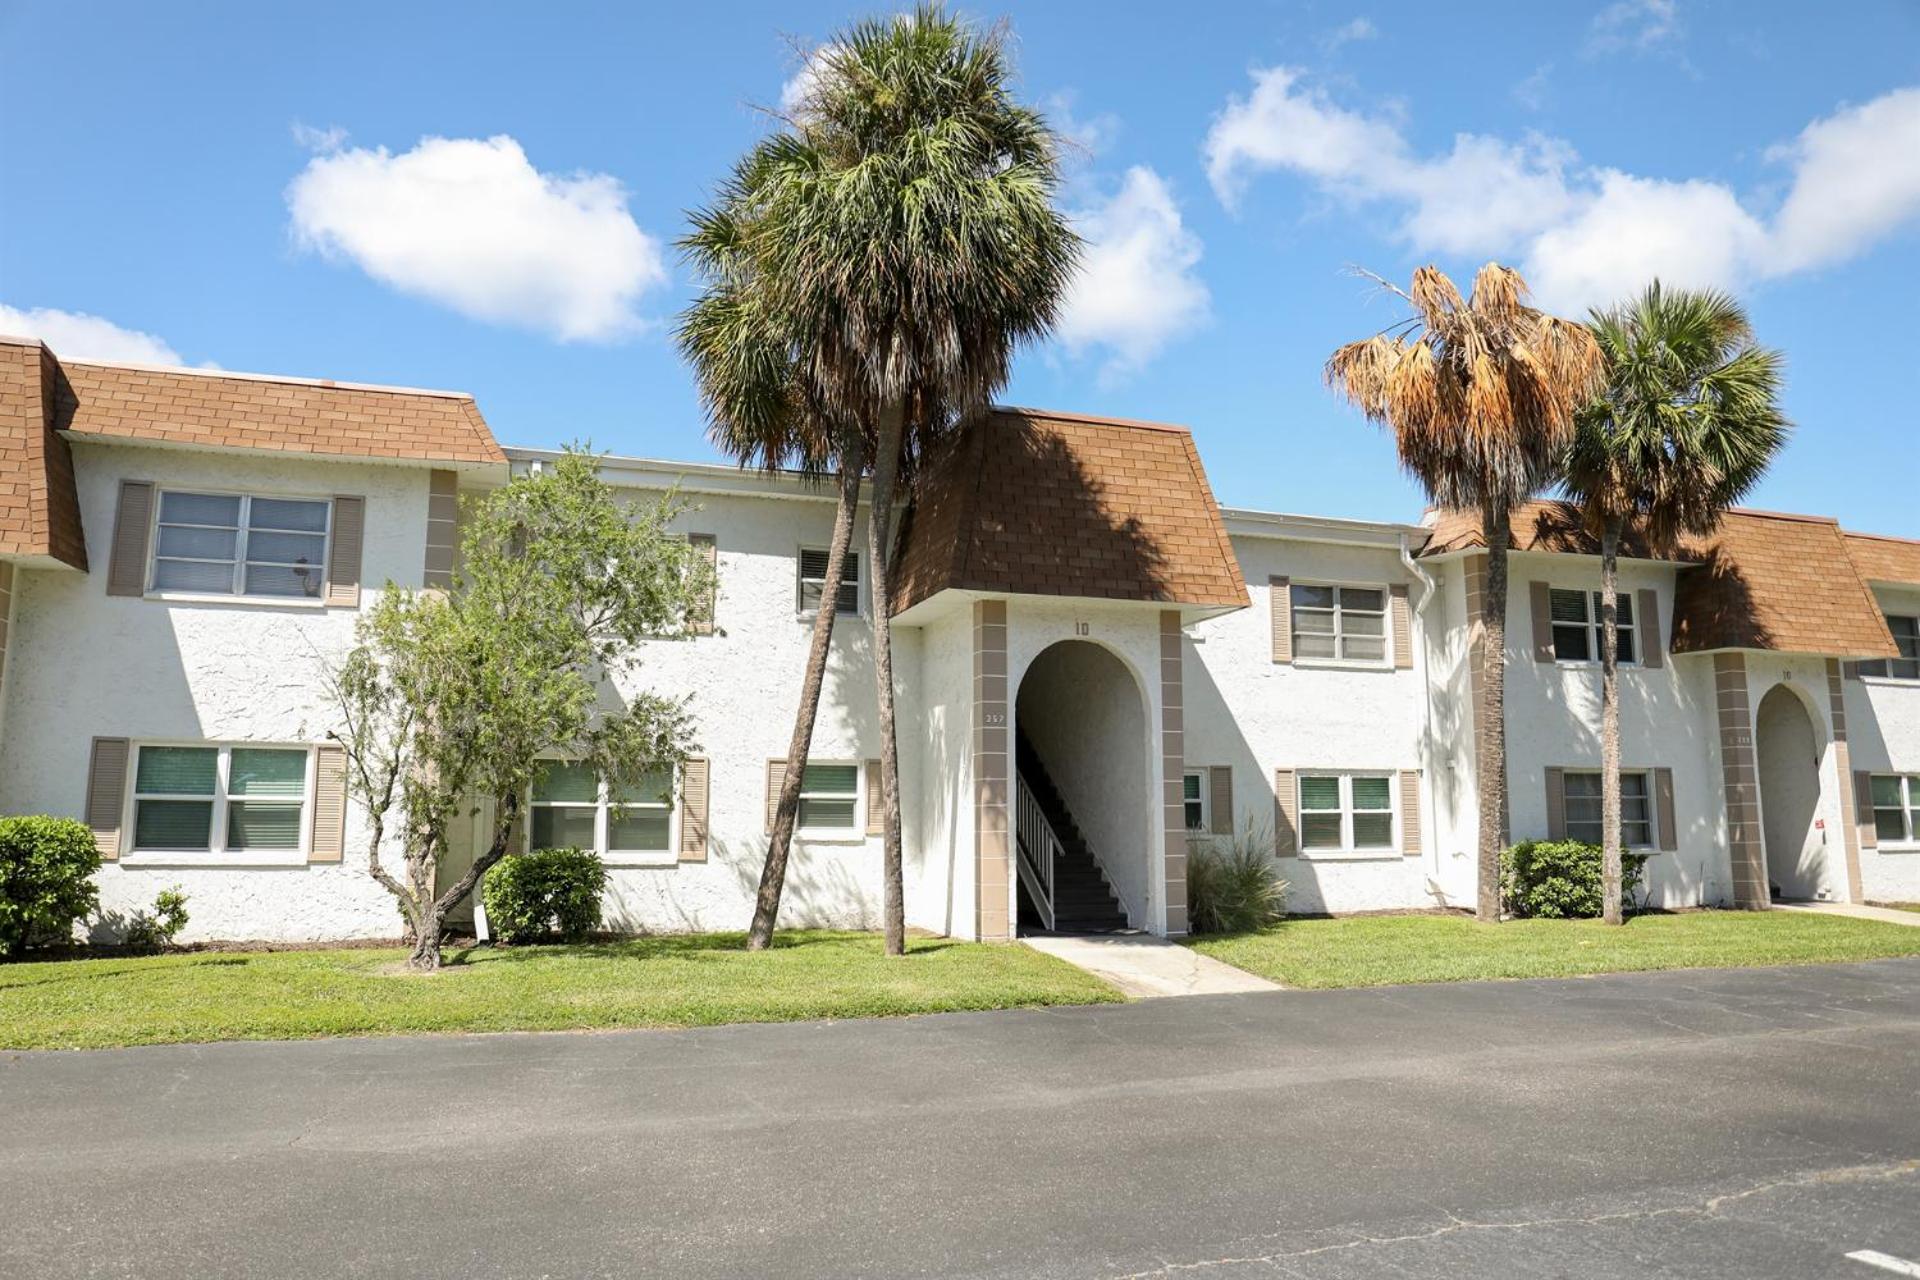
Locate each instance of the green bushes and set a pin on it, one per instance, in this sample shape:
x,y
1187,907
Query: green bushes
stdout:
x,y
46,881
1560,879
152,930
547,895
1232,884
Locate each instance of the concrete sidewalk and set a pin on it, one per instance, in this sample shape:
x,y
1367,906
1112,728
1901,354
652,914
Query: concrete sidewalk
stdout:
x,y
1143,965
1886,915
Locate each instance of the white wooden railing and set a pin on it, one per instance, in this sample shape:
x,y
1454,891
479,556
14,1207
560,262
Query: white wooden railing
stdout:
x,y
1038,846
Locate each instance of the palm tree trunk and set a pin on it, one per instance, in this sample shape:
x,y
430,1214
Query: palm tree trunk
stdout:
x,y
1610,723
1490,729
886,471
773,872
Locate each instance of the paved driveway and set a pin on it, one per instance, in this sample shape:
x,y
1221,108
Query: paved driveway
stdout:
x,y
1748,1124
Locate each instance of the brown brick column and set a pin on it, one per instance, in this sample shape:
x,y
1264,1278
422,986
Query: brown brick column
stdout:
x,y
1173,765
1843,766
1741,780
992,833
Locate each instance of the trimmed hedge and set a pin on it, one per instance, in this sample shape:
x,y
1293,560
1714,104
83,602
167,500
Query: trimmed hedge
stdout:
x,y
549,895
46,881
1561,879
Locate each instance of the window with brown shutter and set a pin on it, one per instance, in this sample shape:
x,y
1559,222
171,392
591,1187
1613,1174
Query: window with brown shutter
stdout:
x,y
694,786
703,616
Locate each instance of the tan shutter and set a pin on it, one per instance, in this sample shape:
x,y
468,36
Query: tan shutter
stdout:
x,y
132,526
1220,800
107,794
876,800
1410,832
1556,804
693,811
1669,835
443,530
1402,626
1542,600
1286,806
328,842
776,777
343,562
1280,606
1863,809
701,622
1647,629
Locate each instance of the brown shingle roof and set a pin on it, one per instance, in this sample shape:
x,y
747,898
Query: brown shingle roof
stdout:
x,y
1783,582
1883,559
1035,503
39,507
1542,525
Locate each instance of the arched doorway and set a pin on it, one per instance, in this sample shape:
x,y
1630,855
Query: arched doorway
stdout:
x,y
1788,748
1083,813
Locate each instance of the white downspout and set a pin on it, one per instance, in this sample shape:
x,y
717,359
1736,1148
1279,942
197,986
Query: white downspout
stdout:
x,y
1429,588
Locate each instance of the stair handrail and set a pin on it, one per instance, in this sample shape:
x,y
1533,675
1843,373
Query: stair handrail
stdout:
x,y
1039,848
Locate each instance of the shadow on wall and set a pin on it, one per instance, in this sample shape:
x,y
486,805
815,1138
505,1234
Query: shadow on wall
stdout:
x,y
1713,608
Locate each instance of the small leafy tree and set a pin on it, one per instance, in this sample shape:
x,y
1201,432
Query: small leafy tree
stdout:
x,y
451,699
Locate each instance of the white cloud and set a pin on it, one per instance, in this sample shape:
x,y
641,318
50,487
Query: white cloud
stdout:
x,y
1348,33
79,336
470,223
801,82
1639,26
1583,236
1092,134
1531,92
1137,289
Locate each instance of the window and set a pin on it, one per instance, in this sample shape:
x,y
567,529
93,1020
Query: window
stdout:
x,y
829,797
1585,813
219,799
1346,811
813,579
1194,799
1344,624
1906,634
572,808
233,544
1576,625
1896,808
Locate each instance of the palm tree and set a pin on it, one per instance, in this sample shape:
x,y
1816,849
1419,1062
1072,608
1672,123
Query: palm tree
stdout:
x,y
1480,396
903,228
1688,421
761,412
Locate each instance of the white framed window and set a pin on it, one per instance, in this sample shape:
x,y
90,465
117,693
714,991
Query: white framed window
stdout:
x,y
570,806
1906,634
1576,625
1896,808
811,568
216,799
1586,814
1333,623
239,544
830,799
1193,798
1346,812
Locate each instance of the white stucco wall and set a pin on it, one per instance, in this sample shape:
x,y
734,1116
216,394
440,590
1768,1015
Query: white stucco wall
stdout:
x,y
1883,736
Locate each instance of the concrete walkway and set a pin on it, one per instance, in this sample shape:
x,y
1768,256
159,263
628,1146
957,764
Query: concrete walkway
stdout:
x,y
1143,965
1886,915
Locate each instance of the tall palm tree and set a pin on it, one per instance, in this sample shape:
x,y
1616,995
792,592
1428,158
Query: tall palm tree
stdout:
x,y
904,228
1480,395
1688,421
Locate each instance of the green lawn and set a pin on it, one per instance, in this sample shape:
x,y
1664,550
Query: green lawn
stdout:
x,y
655,982
1371,951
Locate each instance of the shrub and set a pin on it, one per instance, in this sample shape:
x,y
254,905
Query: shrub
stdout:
x,y
1232,883
1561,879
46,881
544,895
151,930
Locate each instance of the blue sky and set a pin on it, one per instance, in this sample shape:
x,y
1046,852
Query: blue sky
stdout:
x,y
486,197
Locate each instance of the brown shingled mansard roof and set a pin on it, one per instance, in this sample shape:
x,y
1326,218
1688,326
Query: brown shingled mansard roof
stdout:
x,y
1895,561
1029,502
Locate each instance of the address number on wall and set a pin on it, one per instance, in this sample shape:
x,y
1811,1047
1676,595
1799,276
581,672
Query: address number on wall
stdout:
x,y
1083,628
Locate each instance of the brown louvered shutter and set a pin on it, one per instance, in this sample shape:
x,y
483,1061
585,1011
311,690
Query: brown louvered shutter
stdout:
x,y
1410,830
776,777
328,839
701,621
876,801
1556,804
1280,607
1669,836
343,562
1863,810
693,811
1541,598
1286,807
1220,800
132,526
1648,631
1402,610
443,530
107,794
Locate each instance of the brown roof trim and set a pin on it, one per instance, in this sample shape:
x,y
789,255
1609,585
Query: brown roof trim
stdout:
x,y
1093,419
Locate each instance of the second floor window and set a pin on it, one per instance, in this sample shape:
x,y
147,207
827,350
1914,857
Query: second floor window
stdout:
x,y
1906,634
813,580
1576,625
1341,624
233,544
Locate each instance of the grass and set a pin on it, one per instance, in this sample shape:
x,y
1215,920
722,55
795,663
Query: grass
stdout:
x,y
681,981
1900,906
1371,951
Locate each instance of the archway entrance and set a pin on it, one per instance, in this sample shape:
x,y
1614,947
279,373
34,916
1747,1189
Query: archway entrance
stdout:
x,y
1083,817
1789,757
